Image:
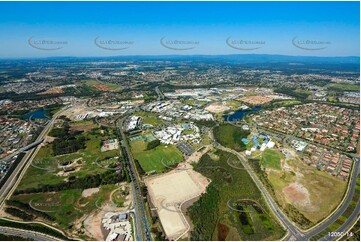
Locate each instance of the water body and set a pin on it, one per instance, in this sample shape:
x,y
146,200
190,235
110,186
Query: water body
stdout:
x,y
239,114
38,114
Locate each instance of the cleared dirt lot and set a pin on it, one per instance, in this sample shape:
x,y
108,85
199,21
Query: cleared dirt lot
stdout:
x,y
198,154
169,191
255,100
217,108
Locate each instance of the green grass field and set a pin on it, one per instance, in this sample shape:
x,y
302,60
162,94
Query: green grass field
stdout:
x,y
155,159
271,159
152,121
187,131
344,87
149,118
341,220
234,104
285,103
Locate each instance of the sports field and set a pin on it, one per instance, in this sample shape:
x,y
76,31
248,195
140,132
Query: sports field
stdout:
x,y
271,159
149,118
157,159
152,121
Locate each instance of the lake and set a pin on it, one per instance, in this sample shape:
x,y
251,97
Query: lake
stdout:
x,y
38,114
239,114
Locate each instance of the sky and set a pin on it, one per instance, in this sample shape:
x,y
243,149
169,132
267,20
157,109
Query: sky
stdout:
x,y
43,29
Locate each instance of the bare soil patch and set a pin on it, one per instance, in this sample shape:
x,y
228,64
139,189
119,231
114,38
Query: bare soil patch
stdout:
x,y
169,191
90,191
217,108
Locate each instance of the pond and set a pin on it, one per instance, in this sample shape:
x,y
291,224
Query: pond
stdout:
x,y
38,114
239,114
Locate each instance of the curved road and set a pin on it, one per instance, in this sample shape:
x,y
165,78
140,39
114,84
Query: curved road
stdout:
x,y
347,225
294,232
342,208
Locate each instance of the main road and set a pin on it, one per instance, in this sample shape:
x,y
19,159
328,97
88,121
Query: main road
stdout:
x,y
294,233
26,234
141,221
345,202
15,177
292,229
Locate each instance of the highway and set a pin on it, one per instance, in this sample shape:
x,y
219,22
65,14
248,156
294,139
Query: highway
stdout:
x,y
14,179
26,234
142,225
26,148
159,93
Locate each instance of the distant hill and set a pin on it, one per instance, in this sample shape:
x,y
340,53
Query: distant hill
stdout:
x,y
241,58
258,61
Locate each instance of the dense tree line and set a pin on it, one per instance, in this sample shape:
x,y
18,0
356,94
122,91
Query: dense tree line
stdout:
x,y
256,166
66,142
206,123
4,237
62,132
19,213
204,214
139,167
67,146
292,92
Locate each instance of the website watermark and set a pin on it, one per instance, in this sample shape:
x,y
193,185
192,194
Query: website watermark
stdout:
x,y
244,44
47,44
178,44
45,164
113,44
51,204
174,164
308,44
